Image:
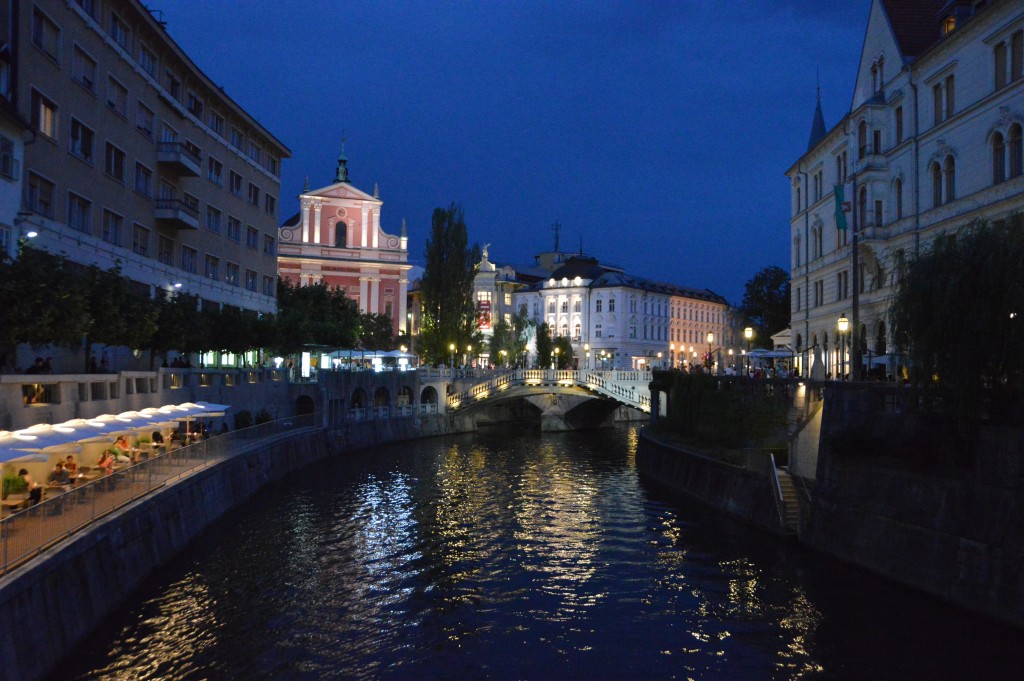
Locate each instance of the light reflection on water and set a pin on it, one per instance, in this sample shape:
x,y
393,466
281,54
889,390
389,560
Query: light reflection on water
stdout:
x,y
514,557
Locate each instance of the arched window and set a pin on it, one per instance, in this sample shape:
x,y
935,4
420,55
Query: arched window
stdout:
x,y
998,158
862,207
897,190
1016,154
797,200
880,340
863,338
340,232
565,330
936,171
950,179
577,331
862,139
799,342
796,252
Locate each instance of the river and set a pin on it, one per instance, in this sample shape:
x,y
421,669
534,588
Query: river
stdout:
x,y
517,555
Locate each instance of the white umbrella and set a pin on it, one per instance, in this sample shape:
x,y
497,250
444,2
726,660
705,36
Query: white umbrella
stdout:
x,y
818,368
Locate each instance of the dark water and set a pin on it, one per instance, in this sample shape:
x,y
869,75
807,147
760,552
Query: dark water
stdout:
x,y
513,555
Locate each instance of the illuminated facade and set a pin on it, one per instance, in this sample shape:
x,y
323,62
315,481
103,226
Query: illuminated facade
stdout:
x,y
931,143
337,239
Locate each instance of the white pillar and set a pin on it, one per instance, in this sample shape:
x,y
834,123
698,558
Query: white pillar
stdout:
x,y
375,293
317,208
403,320
306,203
363,293
375,243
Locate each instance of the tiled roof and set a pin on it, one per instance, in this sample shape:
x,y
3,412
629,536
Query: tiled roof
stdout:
x,y
915,23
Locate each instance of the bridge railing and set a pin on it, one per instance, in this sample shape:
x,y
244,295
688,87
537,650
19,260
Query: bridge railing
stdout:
x,y
629,387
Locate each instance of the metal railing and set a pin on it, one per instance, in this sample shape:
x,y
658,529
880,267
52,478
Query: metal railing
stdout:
x,y
628,387
28,532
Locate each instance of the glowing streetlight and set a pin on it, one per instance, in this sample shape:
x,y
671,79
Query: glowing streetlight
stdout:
x,y
748,333
844,325
451,349
586,354
711,339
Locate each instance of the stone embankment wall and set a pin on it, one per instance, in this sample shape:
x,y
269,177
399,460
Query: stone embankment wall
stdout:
x,y
50,604
742,492
954,531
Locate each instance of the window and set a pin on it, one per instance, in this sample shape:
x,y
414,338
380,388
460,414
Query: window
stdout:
x,y
81,142
87,6
117,97
250,280
551,307
340,234
1016,55
140,240
937,103
565,306
45,34
998,159
268,290
1016,151
119,31
999,55
8,166
950,171
144,120
215,170
194,105
878,213
816,242
950,97
235,183
213,219
236,138
862,139
217,123
272,164
143,180
268,244
948,25
114,163
899,125
231,274
270,204
876,141
897,190
165,250
234,228
44,115
611,305
79,213
256,152
173,84
40,195
147,60
819,293
936,173
254,195
252,237
188,259
83,69
597,305
113,225
211,267
576,306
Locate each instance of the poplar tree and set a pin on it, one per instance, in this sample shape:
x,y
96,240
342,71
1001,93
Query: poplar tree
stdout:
x,y
449,311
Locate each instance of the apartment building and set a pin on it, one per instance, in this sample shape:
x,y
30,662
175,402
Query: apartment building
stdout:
x,y
138,157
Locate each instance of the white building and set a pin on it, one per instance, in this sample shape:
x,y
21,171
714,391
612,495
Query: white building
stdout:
x,y
12,151
931,143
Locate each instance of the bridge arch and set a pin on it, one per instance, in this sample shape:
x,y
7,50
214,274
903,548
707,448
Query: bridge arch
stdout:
x,y
382,397
358,398
304,404
405,396
428,395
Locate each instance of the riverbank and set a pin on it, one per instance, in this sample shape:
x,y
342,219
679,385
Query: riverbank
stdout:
x,y
48,605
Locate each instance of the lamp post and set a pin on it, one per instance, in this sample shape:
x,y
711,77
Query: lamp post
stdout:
x,y
451,349
748,333
554,358
731,363
408,327
671,355
469,355
504,357
844,325
661,365
586,355
711,339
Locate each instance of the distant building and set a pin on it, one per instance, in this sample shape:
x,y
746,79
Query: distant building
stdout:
x,y
931,143
139,158
493,289
336,238
12,153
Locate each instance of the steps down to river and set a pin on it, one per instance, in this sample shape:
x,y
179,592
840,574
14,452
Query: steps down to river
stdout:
x,y
790,501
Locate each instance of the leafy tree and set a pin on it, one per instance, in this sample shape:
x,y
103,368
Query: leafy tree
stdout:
x,y
510,337
376,332
958,312
178,323
564,353
119,314
766,301
449,311
314,315
544,345
42,301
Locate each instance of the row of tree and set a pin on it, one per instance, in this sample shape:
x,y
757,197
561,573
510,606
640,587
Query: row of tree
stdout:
x,y
46,299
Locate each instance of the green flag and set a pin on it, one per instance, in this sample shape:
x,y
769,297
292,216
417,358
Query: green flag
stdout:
x,y
842,207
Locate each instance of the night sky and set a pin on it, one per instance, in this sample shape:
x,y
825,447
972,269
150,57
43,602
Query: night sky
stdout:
x,y
658,132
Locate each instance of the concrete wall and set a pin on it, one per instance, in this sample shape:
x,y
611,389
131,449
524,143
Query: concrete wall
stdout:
x,y
741,492
50,604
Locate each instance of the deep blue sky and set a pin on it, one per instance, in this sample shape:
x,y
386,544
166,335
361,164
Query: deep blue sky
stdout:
x,y
657,131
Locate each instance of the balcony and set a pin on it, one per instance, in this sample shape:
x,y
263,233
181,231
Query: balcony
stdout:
x,y
177,213
176,155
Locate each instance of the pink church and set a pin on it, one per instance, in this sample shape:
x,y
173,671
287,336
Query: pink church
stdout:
x,y
336,238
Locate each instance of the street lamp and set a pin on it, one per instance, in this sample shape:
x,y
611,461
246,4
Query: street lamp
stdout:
x,y
504,357
586,354
671,355
469,355
748,333
554,358
408,328
844,325
711,339
451,349
660,364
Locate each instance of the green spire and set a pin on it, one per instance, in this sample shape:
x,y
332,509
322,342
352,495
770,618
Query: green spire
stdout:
x,y
342,173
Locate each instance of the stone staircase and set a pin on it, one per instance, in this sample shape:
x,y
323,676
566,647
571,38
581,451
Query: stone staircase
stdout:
x,y
790,501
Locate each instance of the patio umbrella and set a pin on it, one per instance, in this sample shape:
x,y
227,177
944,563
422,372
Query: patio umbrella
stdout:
x,y
818,368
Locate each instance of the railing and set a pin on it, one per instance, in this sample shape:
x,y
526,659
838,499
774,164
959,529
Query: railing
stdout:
x,y
179,148
28,532
177,204
383,413
614,384
773,480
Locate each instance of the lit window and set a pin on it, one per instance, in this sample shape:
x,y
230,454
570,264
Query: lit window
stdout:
x,y
44,115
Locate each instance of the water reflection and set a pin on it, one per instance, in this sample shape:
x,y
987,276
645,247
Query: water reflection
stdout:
x,y
515,557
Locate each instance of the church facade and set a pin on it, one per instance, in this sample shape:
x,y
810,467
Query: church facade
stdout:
x,y
337,239
932,143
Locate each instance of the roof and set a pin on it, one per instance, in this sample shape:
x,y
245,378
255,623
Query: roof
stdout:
x,y
818,130
914,23
582,267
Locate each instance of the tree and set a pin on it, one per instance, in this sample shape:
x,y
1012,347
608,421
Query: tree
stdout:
x,y
375,332
449,311
314,315
42,301
544,345
564,353
766,302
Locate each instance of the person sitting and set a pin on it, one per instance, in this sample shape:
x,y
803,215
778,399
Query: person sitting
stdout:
x,y
122,450
33,488
70,466
58,477
157,437
106,462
